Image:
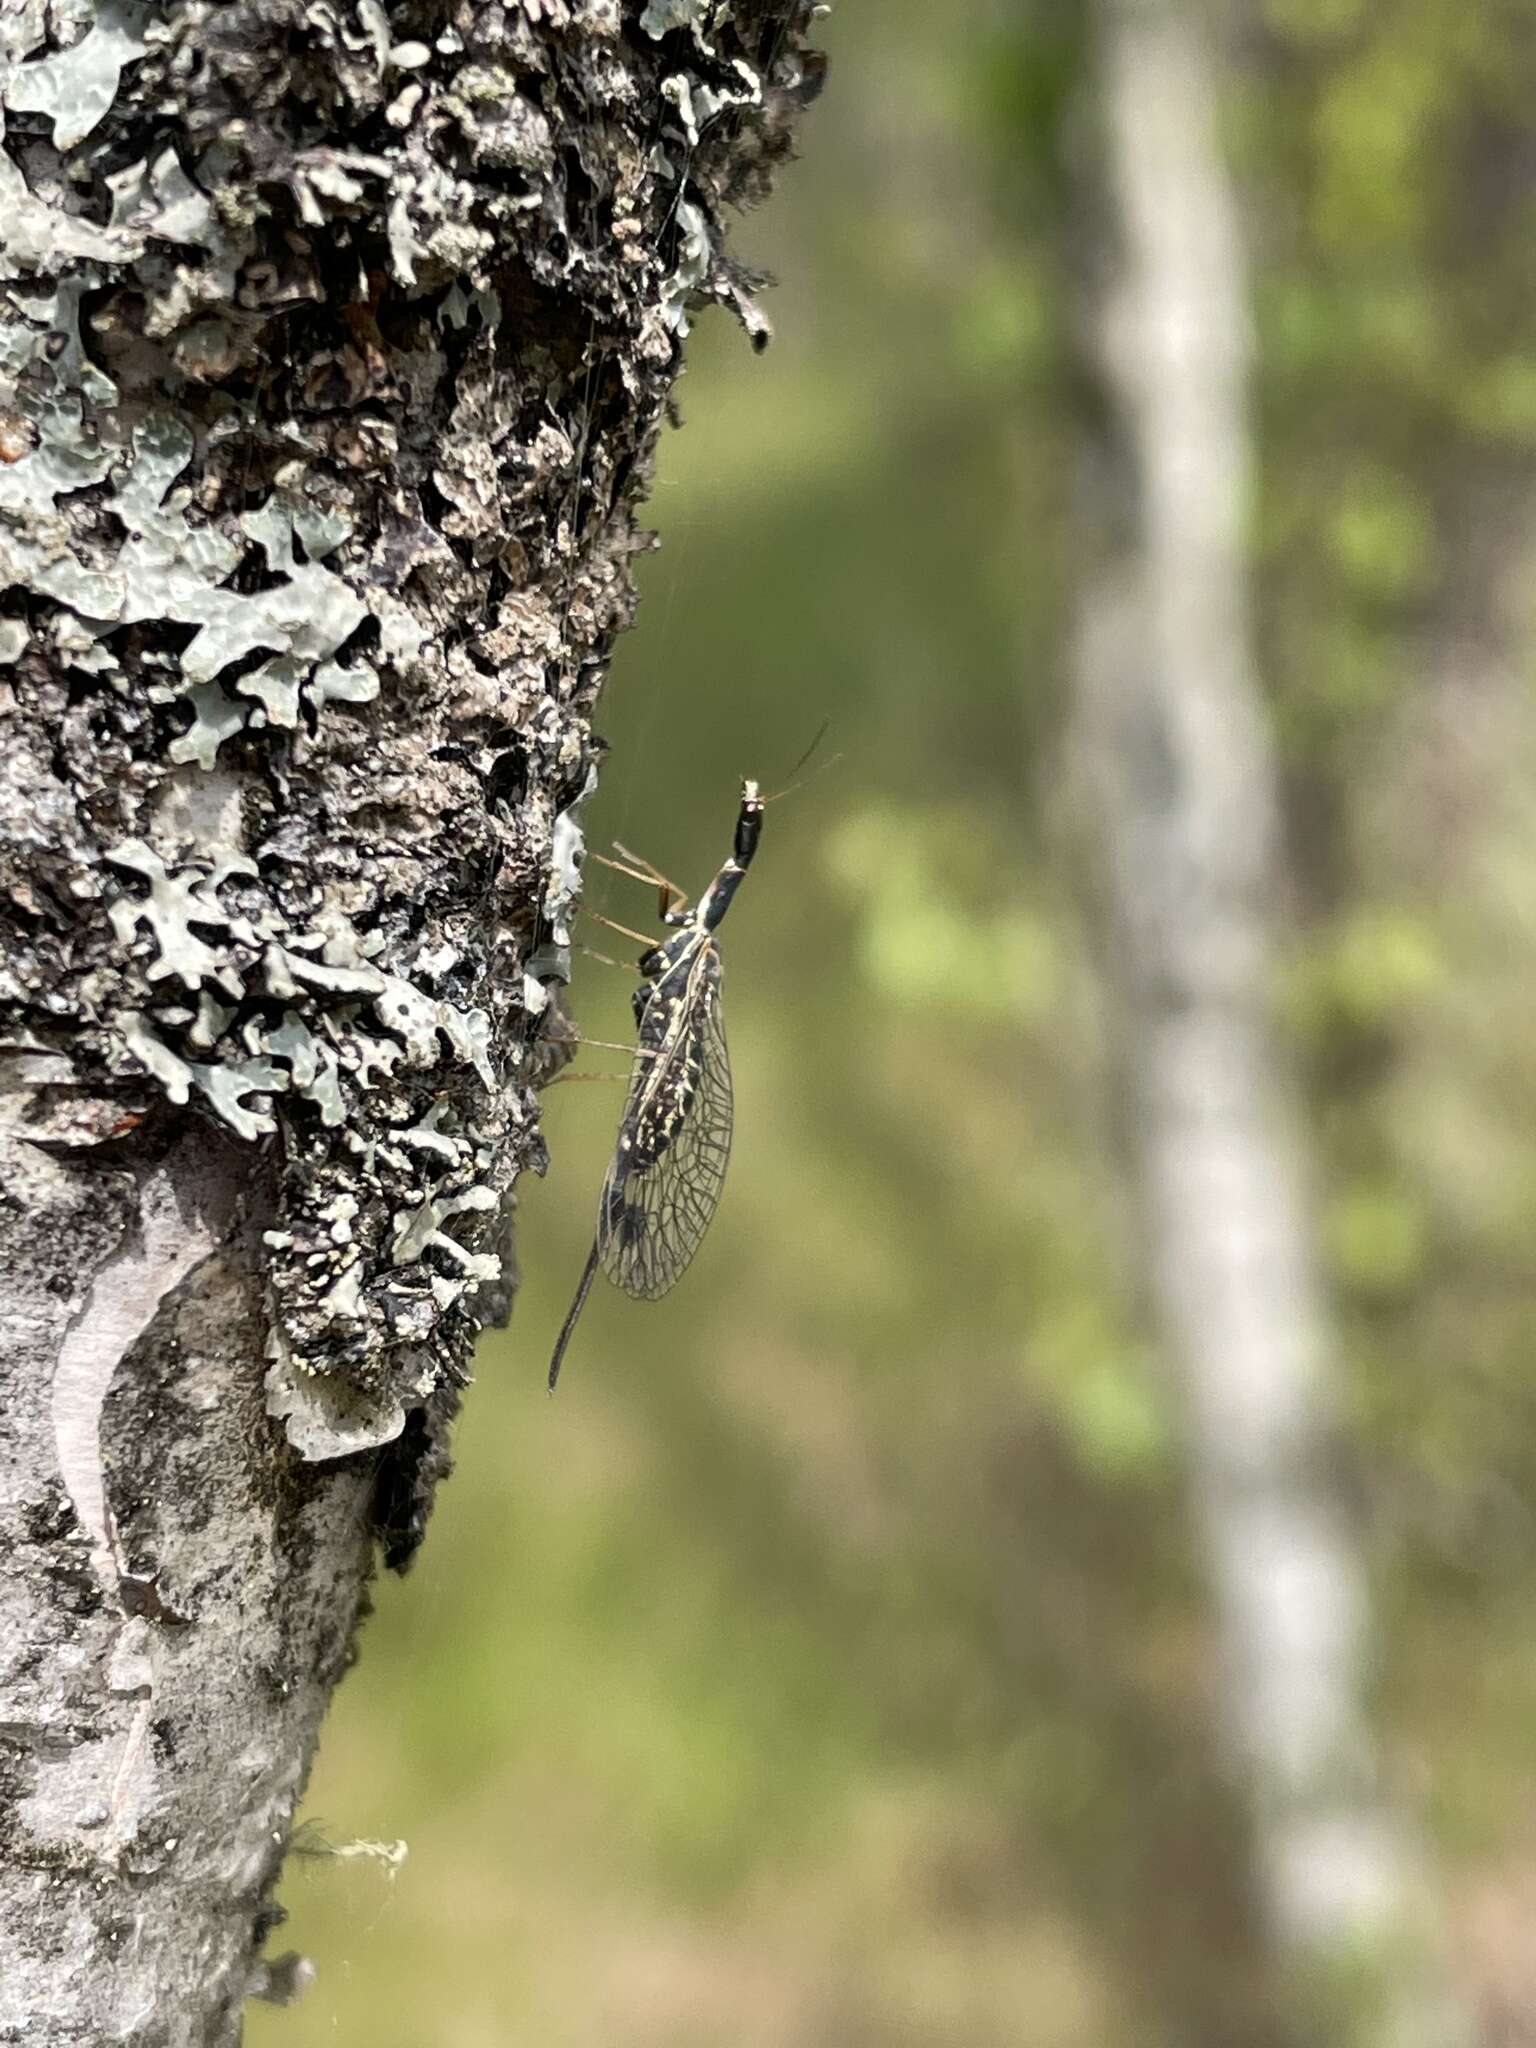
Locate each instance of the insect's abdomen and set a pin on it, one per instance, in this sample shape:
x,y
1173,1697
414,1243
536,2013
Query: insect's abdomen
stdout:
x,y
675,1137
662,1117
666,1108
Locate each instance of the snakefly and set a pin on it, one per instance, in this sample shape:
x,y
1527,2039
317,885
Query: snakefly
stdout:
x,y
668,1167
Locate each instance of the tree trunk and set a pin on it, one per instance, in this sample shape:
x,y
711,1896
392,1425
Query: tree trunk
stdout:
x,y
1174,733
335,338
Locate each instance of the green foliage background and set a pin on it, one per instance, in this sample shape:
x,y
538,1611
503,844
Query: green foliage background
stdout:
x,y
828,1664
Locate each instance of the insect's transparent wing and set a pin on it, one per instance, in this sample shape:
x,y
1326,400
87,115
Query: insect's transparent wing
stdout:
x,y
657,1203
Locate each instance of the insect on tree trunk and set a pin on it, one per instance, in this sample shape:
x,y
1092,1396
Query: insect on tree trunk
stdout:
x,y
663,1183
335,338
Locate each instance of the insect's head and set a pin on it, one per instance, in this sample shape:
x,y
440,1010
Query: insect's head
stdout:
x,y
749,822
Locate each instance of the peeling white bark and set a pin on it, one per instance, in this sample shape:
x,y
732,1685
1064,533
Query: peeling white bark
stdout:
x,y
162,1692
169,1241
1174,735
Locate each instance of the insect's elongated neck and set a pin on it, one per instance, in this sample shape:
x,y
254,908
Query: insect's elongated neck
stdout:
x,y
716,900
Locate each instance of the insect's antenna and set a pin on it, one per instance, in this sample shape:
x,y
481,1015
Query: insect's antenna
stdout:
x,y
797,780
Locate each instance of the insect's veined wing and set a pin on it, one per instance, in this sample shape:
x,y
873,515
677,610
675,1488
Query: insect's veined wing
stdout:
x,y
663,1188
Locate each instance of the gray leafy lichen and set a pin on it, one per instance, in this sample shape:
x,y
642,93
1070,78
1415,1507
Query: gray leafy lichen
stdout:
x,y
334,341
75,88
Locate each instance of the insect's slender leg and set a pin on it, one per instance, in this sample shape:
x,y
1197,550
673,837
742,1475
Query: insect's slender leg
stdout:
x,y
620,867
672,898
588,1273
591,953
624,930
650,874
637,1052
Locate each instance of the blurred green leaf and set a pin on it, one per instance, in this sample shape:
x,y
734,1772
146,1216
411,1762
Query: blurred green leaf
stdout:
x,y
1315,20
1380,534
1378,963
1376,1238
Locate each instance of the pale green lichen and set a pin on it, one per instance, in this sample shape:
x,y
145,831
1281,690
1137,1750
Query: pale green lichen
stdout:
x,y
169,911
216,717
75,88
694,260
417,1229
661,16
334,683
159,200
325,1416
169,565
224,1087
261,956
169,568
176,923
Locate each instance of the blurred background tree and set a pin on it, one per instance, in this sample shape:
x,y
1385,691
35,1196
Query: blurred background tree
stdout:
x,y
831,1663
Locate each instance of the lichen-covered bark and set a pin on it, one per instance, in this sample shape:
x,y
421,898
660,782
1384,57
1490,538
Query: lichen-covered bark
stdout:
x,y
334,340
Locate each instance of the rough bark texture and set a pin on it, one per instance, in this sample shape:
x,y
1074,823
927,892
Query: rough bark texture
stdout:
x,y
335,337
1174,727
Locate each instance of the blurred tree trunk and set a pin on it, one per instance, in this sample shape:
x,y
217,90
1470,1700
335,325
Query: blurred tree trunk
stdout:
x,y
335,338
1174,736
